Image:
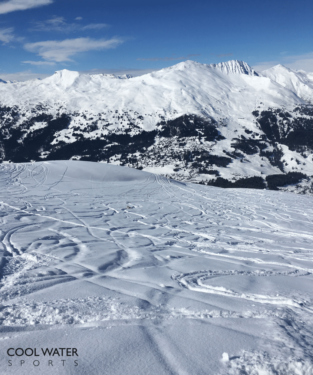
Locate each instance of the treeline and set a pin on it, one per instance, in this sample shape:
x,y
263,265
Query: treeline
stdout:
x,y
272,182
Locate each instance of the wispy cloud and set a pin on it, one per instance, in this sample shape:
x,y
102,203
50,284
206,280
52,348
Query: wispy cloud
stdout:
x,y
22,76
168,58
14,5
263,65
39,63
6,35
95,26
221,55
78,18
225,55
58,51
295,62
55,21
60,25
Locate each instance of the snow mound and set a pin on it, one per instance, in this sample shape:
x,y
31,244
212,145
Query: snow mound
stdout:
x,y
262,364
98,172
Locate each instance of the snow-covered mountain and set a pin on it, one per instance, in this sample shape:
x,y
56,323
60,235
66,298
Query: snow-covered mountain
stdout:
x,y
221,90
299,82
220,124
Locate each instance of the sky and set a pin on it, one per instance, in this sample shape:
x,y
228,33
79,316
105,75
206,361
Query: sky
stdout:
x,y
38,37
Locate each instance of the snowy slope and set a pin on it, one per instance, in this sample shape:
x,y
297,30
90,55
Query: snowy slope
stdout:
x,y
299,82
191,121
144,275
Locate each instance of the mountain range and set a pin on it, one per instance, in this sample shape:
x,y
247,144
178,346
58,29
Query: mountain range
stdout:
x,y
222,124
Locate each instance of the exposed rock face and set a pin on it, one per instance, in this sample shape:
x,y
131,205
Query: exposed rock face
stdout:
x,y
235,67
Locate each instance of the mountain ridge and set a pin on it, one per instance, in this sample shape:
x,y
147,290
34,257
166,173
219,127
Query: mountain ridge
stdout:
x,y
193,122
235,67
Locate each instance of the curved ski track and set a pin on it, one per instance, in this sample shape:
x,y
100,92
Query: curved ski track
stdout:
x,y
153,246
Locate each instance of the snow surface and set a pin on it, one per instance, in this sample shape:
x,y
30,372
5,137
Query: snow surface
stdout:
x,y
146,275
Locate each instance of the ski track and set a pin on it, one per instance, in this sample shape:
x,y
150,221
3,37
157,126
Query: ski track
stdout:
x,y
115,235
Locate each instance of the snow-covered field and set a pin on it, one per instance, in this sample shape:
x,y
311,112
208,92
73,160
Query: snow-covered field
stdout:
x,y
145,275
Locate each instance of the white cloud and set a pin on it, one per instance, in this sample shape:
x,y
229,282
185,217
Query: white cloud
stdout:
x,y
6,35
295,62
59,51
22,76
222,54
168,58
13,5
39,63
301,62
95,26
56,21
58,24
78,18
265,65
54,24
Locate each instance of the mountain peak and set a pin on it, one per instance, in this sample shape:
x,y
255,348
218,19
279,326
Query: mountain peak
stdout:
x,y
278,67
66,74
2,81
63,78
188,64
235,67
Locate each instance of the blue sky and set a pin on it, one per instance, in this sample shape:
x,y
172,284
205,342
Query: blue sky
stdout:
x,y
38,37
